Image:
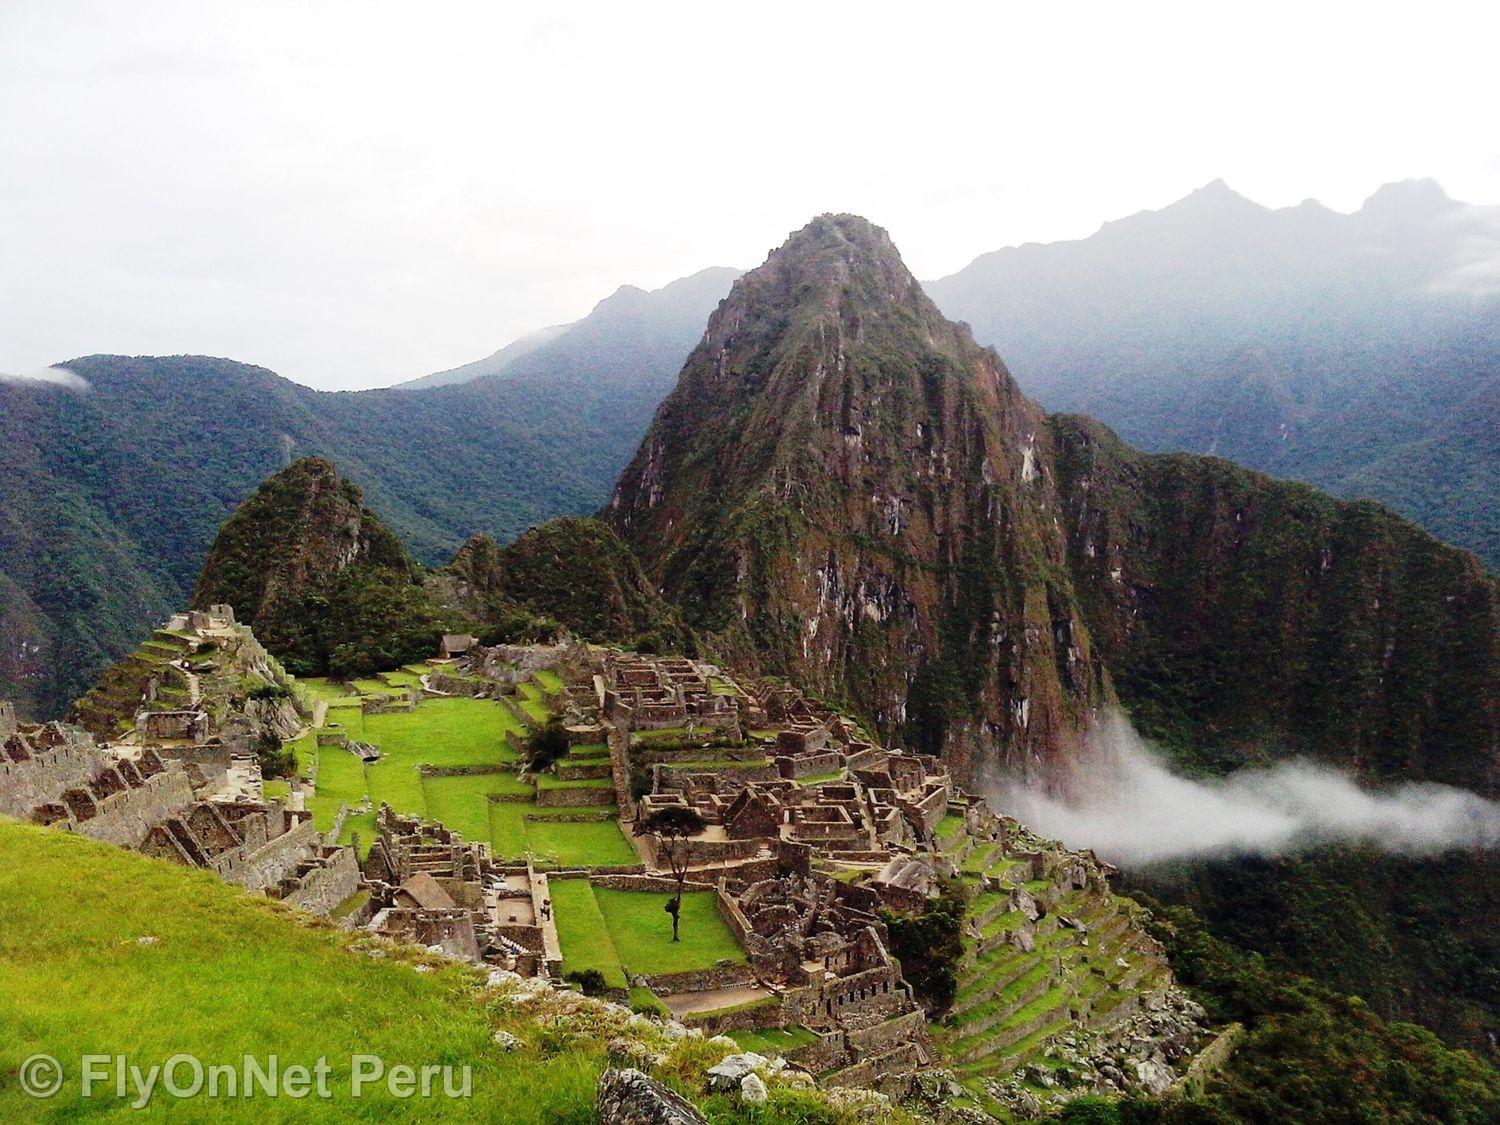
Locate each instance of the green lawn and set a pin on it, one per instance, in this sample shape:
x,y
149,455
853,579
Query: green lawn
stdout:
x,y
227,975
547,781
456,731
581,843
642,931
341,780
460,801
583,932
774,1040
374,687
549,681
326,690
276,788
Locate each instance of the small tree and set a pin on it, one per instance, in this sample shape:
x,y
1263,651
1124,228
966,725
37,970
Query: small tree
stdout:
x,y
672,826
548,745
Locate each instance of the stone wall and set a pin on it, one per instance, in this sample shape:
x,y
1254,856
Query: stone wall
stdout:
x,y
266,866
702,980
567,798
325,886
809,764
126,817
44,777
753,1016
656,883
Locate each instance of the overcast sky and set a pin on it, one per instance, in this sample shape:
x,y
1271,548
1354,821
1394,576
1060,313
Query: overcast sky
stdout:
x,y
356,194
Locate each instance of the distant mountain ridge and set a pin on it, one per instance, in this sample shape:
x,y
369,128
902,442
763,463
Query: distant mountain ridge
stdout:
x,y
112,496
1359,352
665,321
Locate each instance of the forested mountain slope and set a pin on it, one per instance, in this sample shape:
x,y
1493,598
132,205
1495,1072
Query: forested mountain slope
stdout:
x,y
1358,352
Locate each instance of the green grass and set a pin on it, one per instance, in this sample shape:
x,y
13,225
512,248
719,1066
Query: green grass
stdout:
x,y
277,788
460,801
642,931
547,781
580,843
361,825
456,731
645,1001
229,975
341,780
374,687
819,778
583,932
950,830
325,690
549,681
773,1040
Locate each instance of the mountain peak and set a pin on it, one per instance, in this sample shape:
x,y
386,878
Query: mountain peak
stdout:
x,y
1415,198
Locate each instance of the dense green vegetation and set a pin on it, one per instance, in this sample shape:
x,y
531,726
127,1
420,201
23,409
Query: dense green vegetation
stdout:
x,y
1312,345
930,946
571,572
326,586
1310,1053
110,499
1414,938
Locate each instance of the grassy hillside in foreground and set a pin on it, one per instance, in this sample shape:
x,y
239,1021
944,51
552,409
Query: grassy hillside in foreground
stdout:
x,y
104,951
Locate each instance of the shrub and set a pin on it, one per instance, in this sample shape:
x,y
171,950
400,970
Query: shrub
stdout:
x,y
590,981
547,745
930,945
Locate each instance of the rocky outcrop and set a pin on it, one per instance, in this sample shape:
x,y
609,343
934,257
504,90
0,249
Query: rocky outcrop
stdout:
x,y
1236,611
846,490
628,1097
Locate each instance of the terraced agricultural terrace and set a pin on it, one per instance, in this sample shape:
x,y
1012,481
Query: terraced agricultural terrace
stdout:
x,y
500,804
457,759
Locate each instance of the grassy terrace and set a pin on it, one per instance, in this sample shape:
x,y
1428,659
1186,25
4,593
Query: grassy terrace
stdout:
x,y
458,732
642,931
229,975
583,932
629,933
773,1041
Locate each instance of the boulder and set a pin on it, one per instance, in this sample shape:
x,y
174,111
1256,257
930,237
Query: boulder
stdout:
x,y
628,1097
753,1090
1152,1076
728,1071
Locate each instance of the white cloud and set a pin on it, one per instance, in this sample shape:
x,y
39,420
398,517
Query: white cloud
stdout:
x,y
50,376
1130,807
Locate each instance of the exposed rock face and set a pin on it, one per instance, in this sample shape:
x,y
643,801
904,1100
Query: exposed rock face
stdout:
x,y
846,490
628,1097
1236,611
311,569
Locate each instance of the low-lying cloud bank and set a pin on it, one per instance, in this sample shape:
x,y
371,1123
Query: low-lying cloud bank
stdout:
x,y
1133,810
54,376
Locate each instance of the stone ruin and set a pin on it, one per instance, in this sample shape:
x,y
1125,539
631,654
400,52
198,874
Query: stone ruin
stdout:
x,y
431,887
136,798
